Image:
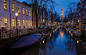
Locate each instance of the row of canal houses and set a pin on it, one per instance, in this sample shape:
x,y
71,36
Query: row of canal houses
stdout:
x,y
26,17
80,15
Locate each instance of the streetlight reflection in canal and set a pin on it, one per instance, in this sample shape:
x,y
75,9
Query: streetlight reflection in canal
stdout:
x,y
60,43
77,41
61,34
50,35
43,41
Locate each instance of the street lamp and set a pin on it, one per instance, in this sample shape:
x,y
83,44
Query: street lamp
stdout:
x,y
43,20
16,14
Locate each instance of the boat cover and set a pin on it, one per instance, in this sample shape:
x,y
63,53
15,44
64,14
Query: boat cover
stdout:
x,y
26,41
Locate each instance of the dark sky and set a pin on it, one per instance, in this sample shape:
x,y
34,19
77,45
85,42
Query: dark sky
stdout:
x,y
60,3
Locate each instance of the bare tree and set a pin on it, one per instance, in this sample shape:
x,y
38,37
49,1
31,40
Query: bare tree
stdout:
x,y
48,4
72,7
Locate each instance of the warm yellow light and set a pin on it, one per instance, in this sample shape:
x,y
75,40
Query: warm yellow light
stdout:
x,y
26,11
23,22
18,9
23,10
13,22
43,20
77,41
50,35
78,20
29,12
19,22
43,41
16,14
13,7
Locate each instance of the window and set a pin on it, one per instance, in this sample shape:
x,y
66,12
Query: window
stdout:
x,y
27,22
23,10
18,9
19,22
26,11
13,7
13,22
29,12
23,22
6,22
5,4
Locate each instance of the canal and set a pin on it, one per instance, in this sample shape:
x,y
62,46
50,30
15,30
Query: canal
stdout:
x,y
59,42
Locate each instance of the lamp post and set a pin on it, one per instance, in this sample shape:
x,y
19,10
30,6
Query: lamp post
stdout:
x,y
16,14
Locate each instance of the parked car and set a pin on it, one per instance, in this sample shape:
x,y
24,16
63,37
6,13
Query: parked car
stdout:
x,y
83,29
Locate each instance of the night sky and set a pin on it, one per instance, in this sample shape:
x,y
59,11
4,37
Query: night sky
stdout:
x,y
60,3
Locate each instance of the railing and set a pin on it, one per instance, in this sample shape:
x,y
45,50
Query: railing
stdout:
x,y
4,34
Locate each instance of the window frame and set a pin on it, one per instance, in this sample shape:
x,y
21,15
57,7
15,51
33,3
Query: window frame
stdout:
x,y
13,21
5,5
13,7
26,11
5,21
19,11
23,10
29,12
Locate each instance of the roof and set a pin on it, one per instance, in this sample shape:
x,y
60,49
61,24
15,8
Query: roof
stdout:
x,y
22,4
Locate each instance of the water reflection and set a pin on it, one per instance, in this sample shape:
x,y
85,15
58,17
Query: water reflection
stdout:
x,y
57,43
61,34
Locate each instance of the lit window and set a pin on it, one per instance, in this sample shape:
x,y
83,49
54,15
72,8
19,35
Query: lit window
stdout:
x,y
13,22
5,4
29,12
13,7
23,22
26,11
18,9
6,22
23,10
19,22
27,22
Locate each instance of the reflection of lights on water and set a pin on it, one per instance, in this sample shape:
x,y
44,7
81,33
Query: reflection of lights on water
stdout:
x,y
61,34
53,31
43,41
77,41
50,35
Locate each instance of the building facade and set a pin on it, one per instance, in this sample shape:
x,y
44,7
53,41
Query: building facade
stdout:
x,y
81,10
8,8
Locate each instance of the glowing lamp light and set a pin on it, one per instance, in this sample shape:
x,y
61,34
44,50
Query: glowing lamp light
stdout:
x,y
78,20
43,20
77,41
16,14
50,35
43,41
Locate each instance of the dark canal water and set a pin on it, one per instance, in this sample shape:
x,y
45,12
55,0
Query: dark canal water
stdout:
x,y
57,43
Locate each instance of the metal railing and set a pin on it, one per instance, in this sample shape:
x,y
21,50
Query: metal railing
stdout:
x,y
4,34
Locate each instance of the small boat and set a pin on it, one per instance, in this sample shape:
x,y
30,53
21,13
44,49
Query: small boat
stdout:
x,y
77,33
45,33
26,41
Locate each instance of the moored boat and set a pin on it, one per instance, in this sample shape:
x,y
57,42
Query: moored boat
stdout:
x,y
45,33
26,41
